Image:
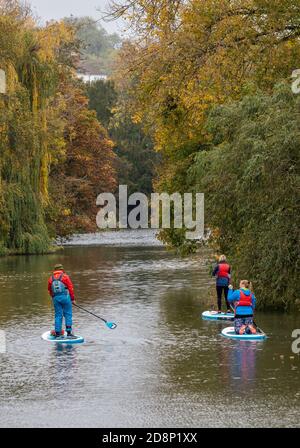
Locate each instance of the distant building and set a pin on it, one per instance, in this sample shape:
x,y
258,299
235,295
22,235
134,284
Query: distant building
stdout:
x,y
87,78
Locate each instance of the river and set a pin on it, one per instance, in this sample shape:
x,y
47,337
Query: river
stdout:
x,y
162,366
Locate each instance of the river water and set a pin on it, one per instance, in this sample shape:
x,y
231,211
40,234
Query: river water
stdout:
x,y
163,365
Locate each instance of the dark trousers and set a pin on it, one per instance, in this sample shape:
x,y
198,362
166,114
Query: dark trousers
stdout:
x,y
219,294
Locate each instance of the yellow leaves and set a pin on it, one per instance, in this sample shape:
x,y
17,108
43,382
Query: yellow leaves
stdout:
x,y
137,118
51,37
174,75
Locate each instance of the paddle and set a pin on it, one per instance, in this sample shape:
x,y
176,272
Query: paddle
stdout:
x,y
257,327
110,325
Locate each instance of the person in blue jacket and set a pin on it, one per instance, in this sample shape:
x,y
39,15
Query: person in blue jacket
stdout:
x,y
244,305
222,274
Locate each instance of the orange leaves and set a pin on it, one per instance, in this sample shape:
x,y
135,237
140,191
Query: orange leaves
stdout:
x,y
88,166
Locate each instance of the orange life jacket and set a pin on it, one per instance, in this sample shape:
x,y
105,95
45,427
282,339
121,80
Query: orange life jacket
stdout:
x,y
223,270
244,299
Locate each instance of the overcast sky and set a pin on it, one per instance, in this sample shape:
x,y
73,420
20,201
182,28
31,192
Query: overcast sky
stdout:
x,y
56,9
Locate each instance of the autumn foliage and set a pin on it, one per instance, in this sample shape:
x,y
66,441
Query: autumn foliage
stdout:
x,y
54,154
210,80
83,170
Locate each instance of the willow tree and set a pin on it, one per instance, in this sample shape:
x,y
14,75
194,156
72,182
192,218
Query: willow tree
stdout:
x,y
22,226
32,60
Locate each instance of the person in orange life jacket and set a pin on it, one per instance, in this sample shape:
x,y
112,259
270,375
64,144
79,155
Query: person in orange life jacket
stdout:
x,y
61,290
222,274
244,304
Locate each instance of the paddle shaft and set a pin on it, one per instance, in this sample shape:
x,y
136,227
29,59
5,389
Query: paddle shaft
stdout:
x,y
259,329
89,312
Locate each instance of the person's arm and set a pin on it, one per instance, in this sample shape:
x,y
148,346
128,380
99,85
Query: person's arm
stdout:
x,y
253,301
229,275
67,281
49,286
233,295
215,271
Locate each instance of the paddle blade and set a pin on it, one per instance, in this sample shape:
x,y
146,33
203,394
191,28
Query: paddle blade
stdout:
x,y
111,325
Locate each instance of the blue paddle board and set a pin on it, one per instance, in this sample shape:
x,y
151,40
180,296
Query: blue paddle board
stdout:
x,y
229,332
214,315
64,339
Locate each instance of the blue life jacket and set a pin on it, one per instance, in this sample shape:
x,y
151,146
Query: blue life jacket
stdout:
x,y
58,287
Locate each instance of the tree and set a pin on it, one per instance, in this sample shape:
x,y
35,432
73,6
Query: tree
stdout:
x,y
250,176
102,98
136,159
98,47
84,170
31,58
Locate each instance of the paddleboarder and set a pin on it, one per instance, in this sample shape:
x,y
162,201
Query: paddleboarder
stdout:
x,y
61,290
244,304
222,274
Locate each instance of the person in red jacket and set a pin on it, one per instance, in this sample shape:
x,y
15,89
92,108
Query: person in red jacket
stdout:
x,y
61,290
222,272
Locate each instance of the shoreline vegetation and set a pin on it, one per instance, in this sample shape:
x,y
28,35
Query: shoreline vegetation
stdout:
x,y
200,100
52,249
212,82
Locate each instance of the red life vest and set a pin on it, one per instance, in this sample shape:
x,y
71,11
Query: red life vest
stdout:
x,y
244,299
223,271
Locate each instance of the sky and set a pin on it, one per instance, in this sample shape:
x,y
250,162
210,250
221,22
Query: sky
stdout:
x,y
57,9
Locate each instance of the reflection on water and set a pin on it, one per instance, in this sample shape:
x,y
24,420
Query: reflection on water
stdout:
x,y
162,366
63,365
242,362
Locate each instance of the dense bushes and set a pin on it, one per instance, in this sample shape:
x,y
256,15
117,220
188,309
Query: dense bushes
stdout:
x,y
250,174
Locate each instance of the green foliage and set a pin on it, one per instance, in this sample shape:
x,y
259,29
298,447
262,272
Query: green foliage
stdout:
x,y
136,158
102,98
3,250
250,177
175,238
22,226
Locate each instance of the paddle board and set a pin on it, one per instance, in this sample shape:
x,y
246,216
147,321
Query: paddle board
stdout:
x,y
229,332
214,315
62,339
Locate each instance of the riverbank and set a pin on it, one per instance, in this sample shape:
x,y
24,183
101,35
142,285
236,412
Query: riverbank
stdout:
x,y
4,252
